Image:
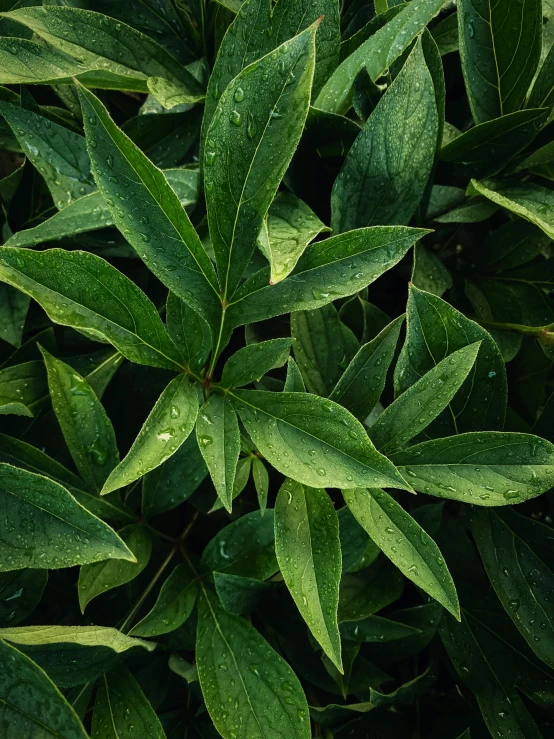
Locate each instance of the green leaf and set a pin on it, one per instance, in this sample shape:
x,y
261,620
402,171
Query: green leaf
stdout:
x,y
541,93
23,388
376,629
251,362
73,655
173,606
20,593
120,704
445,34
309,556
405,543
363,381
429,273
376,54
291,225
385,173
294,382
168,425
60,155
254,677
49,528
527,200
313,440
170,94
81,290
328,270
488,468
31,703
87,430
98,578
217,431
515,570
487,148
244,547
500,46
147,211
261,482
434,330
13,312
406,693
251,139
240,595
368,591
322,347
28,62
170,484
189,331
99,41
421,403
353,539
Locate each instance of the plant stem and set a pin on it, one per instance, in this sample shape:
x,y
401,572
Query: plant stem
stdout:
x,y
545,334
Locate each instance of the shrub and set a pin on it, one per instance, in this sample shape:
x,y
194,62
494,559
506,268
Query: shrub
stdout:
x,y
277,346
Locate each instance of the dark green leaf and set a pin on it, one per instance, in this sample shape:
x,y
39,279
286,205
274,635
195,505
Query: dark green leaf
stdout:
x,y
173,606
189,331
20,593
251,362
365,593
13,311
240,595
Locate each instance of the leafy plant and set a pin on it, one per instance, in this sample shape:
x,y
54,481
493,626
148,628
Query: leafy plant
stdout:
x,y
276,366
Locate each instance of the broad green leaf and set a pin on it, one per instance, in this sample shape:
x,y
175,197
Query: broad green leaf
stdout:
x,y
309,556
175,480
429,273
22,388
421,403
49,528
376,54
251,139
251,362
81,290
20,593
500,46
98,578
87,430
13,312
218,434
31,704
487,148
27,62
313,440
189,331
244,547
122,710
515,570
101,42
501,705
323,345
170,94
405,543
291,225
147,211
73,655
368,591
173,606
434,330
91,212
240,595
60,155
541,93
488,468
261,482
529,201
385,173
328,270
294,382
255,678
363,381
376,629
168,425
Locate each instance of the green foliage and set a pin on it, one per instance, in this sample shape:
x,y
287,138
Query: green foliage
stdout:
x,y
276,369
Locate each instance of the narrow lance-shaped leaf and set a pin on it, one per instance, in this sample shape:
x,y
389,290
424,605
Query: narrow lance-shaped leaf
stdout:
x,y
421,403
173,606
168,425
87,430
405,543
376,54
363,381
313,440
218,435
488,468
253,361
261,482
189,331
500,47
48,528
308,551
13,312
385,173
147,211
27,62
23,388
83,291
255,678
31,704
251,139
